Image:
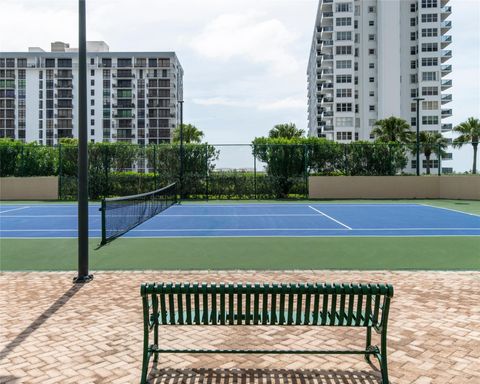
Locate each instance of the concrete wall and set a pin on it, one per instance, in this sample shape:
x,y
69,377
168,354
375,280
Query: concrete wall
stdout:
x,y
394,187
29,188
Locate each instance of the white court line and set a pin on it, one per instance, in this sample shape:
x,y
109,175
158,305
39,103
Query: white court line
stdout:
x,y
450,209
162,215
16,209
252,229
331,218
207,205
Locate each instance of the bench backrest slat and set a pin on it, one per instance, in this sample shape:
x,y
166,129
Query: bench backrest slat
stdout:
x,y
358,305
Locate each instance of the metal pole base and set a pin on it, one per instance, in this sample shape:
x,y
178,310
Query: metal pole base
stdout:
x,y
82,279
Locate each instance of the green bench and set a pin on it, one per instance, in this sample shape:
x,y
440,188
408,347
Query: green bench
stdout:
x,y
334,305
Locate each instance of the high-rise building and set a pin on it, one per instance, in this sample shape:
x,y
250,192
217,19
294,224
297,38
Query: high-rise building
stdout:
x,y
132,96
370,58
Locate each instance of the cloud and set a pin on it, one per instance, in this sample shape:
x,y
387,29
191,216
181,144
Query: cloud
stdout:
x,y
286,103
250,38
223,101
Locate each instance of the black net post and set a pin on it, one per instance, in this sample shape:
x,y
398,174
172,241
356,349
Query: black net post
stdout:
x,y
104,225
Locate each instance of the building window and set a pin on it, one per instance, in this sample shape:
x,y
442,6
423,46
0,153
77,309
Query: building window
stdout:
x,y
50,63
92,82
413,93
92,122
371,93
413,50
429,32
371,37
429,47
447,156
429,91
413,121
344,107
371,108
92,112
429,4
371,9
92,92
344,92
429,62
429,76
429,18
344,64
92,61
371,51
413,107
371,65
430,105
371,79
371,23
344,79
344,121
429,120
355,23
344,7
344,50
413,64
64,63
356,66
413,21
413,79
342,36
344,135
343,21
413,7
413,36
92,72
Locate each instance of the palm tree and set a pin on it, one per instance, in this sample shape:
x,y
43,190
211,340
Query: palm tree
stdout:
x,y
392,129
432,142
470,133
191,134
286,131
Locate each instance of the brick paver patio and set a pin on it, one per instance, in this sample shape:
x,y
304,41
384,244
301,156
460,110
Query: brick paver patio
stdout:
x,y
54,332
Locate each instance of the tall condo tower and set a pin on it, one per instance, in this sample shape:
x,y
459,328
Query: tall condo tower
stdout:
x,y
370,58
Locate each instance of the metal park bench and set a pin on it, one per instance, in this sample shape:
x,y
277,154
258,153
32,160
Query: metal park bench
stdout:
x,y
334,305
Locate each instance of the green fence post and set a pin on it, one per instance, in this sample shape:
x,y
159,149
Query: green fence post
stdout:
x,y
439,160
155,166
60,171
305,158
254,171
345,154
206,171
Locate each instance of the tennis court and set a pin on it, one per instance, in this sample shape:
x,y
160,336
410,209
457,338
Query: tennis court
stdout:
x,y
250,220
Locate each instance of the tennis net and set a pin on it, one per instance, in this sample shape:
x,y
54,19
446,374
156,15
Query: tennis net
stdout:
x,y
121,214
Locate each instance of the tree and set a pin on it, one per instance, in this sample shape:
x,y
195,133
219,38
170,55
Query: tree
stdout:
x,y
470,133
191,134
285,131
392,129
432,142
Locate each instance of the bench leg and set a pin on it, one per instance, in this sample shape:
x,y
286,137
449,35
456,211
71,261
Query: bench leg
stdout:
x,y
146,358
155,341
383,355
368,344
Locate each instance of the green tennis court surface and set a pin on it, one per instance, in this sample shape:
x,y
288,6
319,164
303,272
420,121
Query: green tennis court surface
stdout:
x,y
431,253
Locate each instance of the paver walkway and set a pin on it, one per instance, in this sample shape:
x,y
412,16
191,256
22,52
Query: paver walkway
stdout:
x,y
54,332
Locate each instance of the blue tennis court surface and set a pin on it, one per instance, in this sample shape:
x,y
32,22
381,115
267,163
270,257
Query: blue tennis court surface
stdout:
x,y
250,220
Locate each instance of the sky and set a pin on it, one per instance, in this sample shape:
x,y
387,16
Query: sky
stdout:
x,y
245,61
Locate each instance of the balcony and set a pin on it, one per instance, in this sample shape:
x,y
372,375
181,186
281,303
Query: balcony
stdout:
x,y
327,14
445,12
446,84
446,99
446,69
327,128
446,113
326,31
446,55
446,40
445,26
327,43
328,114
447,127
327,100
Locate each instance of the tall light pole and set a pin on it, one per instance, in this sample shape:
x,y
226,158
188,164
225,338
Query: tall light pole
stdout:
x,y
83,275
418,99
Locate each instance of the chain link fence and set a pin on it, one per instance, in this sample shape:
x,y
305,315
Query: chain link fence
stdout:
x,y
226,171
